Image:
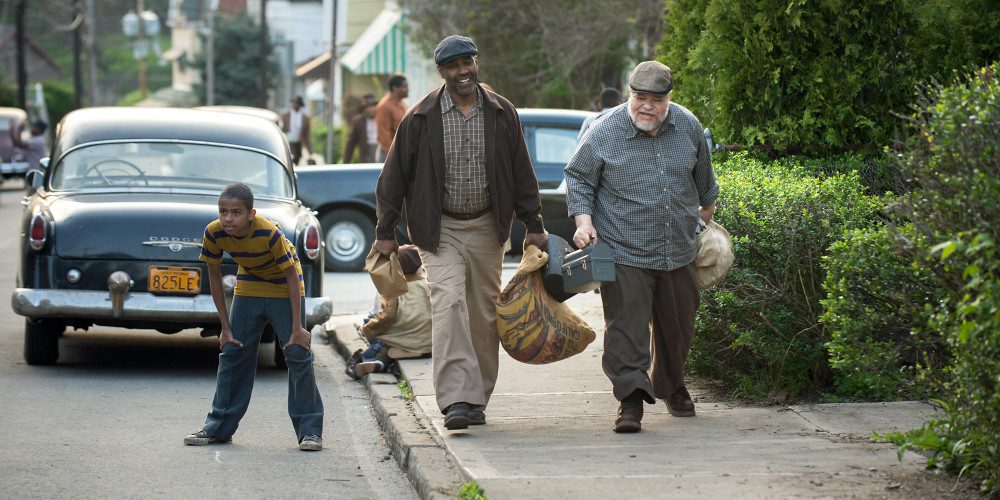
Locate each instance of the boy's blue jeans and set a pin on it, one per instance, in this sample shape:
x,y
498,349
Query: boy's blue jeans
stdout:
x,y
238,365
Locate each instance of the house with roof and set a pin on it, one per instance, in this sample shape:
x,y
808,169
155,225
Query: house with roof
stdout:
x,y
373,44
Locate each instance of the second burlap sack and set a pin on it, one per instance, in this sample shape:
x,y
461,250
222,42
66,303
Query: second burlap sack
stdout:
x,y
535,328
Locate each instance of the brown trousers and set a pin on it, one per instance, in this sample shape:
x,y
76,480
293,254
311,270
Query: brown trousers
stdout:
x,y
464,279
670,299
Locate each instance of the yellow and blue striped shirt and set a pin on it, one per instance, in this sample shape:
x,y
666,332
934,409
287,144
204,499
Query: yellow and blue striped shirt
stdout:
x,y
262,256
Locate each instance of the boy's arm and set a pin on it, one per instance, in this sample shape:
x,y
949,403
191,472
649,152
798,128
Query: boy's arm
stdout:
x,y
383,320
215,284
299,335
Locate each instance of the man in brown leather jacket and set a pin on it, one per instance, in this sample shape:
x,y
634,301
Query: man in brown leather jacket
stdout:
x,y
460,168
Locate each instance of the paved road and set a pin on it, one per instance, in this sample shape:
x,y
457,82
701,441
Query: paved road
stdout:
x,y
108,419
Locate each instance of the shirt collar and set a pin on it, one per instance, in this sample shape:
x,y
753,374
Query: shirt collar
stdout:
x,y
447,102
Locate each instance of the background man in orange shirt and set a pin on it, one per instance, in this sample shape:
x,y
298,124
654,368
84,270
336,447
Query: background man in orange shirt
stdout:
x,y
389,112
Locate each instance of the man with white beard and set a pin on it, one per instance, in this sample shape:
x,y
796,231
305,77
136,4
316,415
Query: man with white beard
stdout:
x,y
640,180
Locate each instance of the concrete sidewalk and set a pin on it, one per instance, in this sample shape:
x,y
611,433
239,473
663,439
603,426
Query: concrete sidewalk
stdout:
x,y
549,435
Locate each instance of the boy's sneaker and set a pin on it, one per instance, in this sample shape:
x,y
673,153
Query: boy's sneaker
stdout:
x,y
311,443
365,367
202,438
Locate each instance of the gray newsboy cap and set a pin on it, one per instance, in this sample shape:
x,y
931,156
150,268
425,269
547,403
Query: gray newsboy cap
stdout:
x,y
454,46
653,77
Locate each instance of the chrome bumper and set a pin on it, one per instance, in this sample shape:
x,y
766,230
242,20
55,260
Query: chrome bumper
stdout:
x,y
137,306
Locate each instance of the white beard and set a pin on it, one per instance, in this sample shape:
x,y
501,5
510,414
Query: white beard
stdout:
x,y
647,125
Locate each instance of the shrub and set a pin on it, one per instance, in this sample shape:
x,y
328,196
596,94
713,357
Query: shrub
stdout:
x,y
817,76
955,161
759,329
879,173
876,311
318,129
806,76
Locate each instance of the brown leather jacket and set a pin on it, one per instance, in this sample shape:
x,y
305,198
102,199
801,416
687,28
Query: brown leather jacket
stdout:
x,y
414,170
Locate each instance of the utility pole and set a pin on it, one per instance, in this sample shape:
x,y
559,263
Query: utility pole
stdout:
x,y
91,59
22,72
210,6
264,52
330,90
77,50
142,60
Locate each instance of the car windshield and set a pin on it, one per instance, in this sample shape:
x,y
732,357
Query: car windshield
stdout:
x,y
161,165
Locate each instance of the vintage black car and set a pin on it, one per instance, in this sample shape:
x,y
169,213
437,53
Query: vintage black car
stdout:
x,y
113,233
344,195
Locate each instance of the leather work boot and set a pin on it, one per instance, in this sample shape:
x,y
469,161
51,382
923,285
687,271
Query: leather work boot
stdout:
x,y
680,404
629,414
477,417
457,416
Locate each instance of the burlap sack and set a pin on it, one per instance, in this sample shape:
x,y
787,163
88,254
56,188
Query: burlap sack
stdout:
x,y
715,255
386,273
534,328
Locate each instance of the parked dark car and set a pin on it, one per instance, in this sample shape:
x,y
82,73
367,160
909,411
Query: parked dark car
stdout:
x,y
113,234
344,195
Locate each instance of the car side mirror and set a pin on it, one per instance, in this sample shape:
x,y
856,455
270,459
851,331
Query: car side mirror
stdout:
x,y
34,178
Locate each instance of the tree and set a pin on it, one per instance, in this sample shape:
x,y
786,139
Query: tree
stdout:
x,y
821,76
558,53
237,57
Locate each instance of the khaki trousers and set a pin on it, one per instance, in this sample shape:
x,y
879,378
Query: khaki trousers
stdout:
x,y
670,299
464,279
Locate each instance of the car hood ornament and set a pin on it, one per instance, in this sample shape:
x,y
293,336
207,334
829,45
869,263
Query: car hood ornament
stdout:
x,y
174,244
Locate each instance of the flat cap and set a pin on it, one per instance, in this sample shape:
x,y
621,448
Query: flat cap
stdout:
x,y
454,46
653,77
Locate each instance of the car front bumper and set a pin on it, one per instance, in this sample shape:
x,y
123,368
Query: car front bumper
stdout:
x,y
137,306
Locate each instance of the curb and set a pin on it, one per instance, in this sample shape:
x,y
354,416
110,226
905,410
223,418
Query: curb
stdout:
x,y
407,429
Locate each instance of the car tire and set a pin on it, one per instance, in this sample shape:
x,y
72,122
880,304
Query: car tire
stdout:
x,y
348,235
41,341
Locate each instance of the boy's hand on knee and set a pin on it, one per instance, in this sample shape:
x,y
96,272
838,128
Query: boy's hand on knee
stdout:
x,y
300,336
227,338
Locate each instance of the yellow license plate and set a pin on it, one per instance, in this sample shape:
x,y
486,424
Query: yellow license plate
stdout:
x,y
175,279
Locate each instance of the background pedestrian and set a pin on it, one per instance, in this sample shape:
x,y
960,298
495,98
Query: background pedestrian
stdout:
x,y
389,112
295,124
362,134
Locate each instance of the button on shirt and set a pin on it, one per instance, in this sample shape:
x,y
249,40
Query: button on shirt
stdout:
x,y
466,190
643,192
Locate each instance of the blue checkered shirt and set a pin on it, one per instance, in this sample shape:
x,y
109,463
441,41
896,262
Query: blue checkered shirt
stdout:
x,y
643,192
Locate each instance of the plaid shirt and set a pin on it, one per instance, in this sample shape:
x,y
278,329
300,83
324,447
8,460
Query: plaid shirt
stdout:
x,y
466,190
643,192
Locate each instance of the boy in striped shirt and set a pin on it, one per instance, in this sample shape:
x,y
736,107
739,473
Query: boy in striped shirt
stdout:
x,y
268,289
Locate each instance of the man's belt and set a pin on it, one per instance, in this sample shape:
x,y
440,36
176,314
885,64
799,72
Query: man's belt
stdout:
x,y
458,216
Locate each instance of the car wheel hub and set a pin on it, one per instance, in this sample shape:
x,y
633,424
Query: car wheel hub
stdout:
x,y
346,241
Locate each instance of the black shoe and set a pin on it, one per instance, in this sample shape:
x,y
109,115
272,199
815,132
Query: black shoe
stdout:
x,y
457,416
202,438
352,362
477,417
630,414
680,403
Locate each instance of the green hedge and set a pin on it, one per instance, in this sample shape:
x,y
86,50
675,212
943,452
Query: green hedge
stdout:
x,y
876,310
759,329
817,77
955,162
